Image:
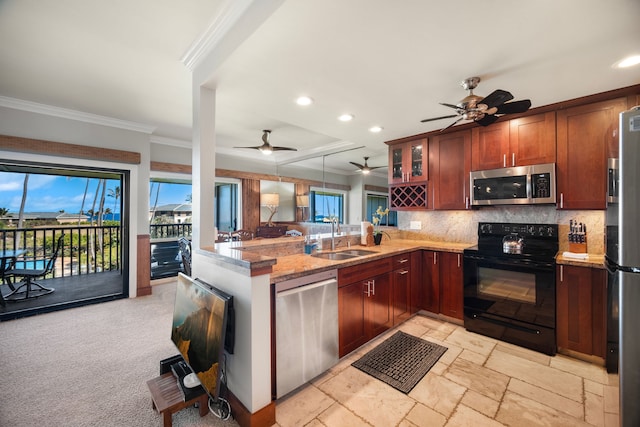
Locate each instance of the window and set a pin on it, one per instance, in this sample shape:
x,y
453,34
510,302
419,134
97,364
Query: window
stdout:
x,y
376,200
325,205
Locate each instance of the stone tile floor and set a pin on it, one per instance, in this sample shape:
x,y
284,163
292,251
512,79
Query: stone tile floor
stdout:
x,y
479,381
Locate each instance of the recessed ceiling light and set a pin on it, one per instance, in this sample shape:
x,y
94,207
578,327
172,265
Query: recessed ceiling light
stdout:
x,y
304,100
375,129
346,117
629,61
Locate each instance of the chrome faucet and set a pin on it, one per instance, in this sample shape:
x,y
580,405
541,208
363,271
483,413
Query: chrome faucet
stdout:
x,y
335,228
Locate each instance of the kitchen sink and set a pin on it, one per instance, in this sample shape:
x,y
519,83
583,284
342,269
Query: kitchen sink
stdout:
x,y
358,252
342,255
334,255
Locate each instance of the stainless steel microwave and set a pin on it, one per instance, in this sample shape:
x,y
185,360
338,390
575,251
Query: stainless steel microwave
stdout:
x,y
520,185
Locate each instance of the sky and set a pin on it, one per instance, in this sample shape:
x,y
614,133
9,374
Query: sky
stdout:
x,y
51,193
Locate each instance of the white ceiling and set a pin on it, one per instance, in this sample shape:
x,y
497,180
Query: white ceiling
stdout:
x,y
387,62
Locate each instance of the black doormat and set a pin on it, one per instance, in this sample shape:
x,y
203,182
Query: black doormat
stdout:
x,y
401,360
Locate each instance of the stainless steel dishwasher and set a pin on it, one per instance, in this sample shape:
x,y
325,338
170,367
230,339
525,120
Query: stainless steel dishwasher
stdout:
x,y
306,329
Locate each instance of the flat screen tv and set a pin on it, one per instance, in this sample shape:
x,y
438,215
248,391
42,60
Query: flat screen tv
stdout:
x,y
200,318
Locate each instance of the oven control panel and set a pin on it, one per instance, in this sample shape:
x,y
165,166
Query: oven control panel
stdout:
x,y
525,230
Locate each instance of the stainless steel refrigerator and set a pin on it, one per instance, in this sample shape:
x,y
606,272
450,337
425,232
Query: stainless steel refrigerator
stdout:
x,y
623,263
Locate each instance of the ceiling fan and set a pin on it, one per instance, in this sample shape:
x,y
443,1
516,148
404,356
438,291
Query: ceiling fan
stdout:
x,y
483,111
366,168
267,148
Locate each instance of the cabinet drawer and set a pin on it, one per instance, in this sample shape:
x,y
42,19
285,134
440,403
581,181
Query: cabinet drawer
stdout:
x,y
402,261
364,271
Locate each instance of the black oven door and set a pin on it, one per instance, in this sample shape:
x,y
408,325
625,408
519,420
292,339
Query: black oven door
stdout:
x,y
511,299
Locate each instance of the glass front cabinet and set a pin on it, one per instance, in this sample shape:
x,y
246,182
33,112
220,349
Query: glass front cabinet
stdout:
x,y
408,162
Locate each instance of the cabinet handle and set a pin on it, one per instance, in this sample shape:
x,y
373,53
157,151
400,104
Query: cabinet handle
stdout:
x,y
466,202
435,258
513,159
403,260
458,260
561,200
373,292
403,272
561,274
504,160
368,291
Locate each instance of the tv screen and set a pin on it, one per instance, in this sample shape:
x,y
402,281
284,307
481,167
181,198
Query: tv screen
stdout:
x,y
198,330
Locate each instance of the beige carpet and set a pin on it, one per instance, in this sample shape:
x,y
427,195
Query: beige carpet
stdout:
x,y
89,366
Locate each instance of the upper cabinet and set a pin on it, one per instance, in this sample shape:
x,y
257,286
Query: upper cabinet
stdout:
x,y
449,167
518,142
585,135
408,162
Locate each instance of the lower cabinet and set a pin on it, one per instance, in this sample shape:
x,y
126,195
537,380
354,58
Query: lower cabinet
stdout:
x,y
365,308
401,284
581,309
442,283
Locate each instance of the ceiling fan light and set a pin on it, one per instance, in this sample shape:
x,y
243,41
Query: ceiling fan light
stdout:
x,y
266,151
366,171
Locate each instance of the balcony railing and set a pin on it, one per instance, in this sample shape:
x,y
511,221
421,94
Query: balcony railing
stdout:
x,y
164,231
85,249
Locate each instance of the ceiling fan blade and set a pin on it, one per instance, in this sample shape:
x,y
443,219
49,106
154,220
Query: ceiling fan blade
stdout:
x,y
253,148
514,107
455,107
496,98
376,167
461,118
358,165
283,148
486,120
438,118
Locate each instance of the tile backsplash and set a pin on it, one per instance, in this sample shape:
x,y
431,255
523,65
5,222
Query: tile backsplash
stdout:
x,y
462,226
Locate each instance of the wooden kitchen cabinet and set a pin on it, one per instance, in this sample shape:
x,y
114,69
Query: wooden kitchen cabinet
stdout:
x,y
581,309
524,141
416,281
401,284
443,283
365,308
430,282
449,168
451,285
584,135
408,162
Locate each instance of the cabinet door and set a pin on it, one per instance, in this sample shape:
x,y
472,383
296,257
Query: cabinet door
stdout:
x,y
451,285
584,133
379,305
402,292
351,317
416,290
408,162
430,282
581,309
489,146
532,140
449,167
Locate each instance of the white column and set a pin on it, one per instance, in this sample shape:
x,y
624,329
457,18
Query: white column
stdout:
x,y
203,166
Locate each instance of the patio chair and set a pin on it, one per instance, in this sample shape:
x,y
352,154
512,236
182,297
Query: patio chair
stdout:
x,y
40,268
6,263
185,253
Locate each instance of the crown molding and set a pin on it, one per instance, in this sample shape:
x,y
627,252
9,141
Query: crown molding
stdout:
x,y
155,139
80,116
229,14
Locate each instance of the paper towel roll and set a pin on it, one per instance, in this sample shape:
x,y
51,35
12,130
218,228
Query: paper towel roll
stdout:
x,y
363,232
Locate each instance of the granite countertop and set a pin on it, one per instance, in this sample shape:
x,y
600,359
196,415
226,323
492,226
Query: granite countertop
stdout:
x,y
286,258
592,260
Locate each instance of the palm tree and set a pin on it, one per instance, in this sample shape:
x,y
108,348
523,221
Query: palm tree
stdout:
x,y
115,193
84,197
25,186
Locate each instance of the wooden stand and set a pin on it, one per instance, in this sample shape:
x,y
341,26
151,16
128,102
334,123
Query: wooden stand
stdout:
x,y
167,398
